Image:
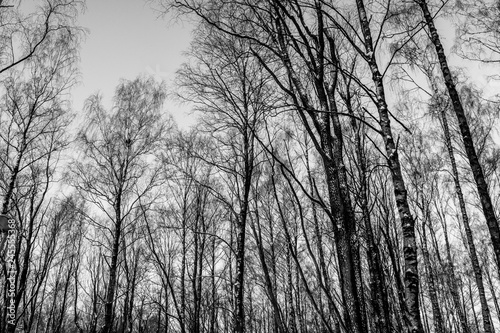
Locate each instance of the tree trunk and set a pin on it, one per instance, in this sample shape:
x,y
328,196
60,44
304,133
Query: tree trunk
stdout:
x,y
110,293
436,309
279,326
379,298
129,314
241,222
477,171
329,146
411,277
468,231
213,287
472,305
452,280
492,287
239,311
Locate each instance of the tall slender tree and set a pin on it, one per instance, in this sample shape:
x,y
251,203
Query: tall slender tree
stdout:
x,y
117,169
463,123
228,87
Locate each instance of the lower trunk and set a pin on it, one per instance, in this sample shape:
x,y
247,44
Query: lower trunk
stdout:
x,y
292,328
399,283
343,229
239,312
436,309
485,311
471,299
454,289
110,293
270,286
129,314
213,287
468,231
492,289
379,298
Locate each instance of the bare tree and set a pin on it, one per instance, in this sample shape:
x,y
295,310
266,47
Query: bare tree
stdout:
x,y
34,117
228,85
463,123
116,170
25,36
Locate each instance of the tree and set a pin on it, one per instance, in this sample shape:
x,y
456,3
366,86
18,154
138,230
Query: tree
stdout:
x,y
116,172
324,188
293,42
463,123
438,106
34,117
478,30
24,37
228,86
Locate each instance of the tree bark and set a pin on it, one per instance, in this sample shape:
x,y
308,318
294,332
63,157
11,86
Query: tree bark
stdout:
x,y
452,281
465,219
477,171
241,222
492,287
436,308
411,276
379,298
110,293
329,146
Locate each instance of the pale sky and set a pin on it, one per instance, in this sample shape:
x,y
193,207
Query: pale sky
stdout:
x,y
127,38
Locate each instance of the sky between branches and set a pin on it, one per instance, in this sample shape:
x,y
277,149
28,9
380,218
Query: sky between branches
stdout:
x,y
128,37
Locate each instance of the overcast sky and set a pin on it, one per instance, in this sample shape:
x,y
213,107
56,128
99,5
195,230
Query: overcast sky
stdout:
x,y
126,39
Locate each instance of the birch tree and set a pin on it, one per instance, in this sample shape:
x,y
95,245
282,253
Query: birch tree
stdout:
x,y
116,170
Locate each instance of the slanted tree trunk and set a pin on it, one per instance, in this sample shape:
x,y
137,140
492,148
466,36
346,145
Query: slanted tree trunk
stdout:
x,y
279,326
452,281
491,285
470,150
465,219
132,285
472,303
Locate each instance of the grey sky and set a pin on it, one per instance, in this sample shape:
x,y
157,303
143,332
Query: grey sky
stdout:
x,y
126,39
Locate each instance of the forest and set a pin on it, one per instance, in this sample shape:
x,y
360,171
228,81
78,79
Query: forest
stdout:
x,y
342,176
